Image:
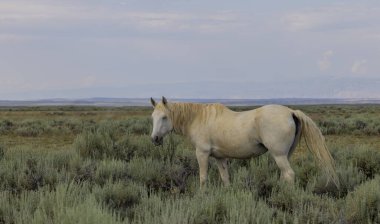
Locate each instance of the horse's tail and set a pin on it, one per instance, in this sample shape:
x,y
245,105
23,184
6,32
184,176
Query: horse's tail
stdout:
x,y
316,144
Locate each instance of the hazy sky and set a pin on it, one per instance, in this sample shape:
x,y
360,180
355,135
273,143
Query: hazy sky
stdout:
x,y
189,48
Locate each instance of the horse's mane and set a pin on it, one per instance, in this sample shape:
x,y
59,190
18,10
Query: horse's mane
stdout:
x,y
184,114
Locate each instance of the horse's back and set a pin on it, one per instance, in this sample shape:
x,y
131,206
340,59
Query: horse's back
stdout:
x,y
274,115
274,109
267,115
263,120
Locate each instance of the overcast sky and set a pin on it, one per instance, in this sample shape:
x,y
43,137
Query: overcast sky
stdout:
x,y
189,48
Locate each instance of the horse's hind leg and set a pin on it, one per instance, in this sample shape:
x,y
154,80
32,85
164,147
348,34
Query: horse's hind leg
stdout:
x,y
280,152
280,142
287,173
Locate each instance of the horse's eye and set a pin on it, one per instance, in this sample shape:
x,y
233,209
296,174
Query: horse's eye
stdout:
x,y
164,118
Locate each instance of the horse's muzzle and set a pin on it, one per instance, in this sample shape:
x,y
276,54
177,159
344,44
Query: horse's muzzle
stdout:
x,y
157,140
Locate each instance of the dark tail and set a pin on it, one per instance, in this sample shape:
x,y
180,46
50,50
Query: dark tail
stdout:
x,y
316,144
297,135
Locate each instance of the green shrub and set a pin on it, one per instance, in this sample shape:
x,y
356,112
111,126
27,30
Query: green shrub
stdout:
x,y
363,204
360,124
73,204
136,126
94,144
22,171
159,175
367,162
214,213
155,174
61,159
261,175
216,205
32,128
65,126
6,126
349,178
140,126
305,169
304,207
124,149
2,151
119,197
363,157
12,208
6,208
329,127
111,170
145,148
103,142
357,125
85,172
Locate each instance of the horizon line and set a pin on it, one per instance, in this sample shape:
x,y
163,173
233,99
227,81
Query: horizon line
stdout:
x,y
190,98
120,102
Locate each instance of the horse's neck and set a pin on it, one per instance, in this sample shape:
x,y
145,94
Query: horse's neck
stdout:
x,y
183,116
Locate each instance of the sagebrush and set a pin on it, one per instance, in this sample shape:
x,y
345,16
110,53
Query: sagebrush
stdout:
x,y
110,172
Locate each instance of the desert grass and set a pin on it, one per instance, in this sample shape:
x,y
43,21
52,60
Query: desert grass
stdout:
x,y
100,167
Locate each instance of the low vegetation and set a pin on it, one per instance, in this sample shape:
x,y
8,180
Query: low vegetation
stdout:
x,y
110,172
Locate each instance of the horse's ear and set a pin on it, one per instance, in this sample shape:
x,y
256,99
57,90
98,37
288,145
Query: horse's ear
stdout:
x,y
152,102
164,101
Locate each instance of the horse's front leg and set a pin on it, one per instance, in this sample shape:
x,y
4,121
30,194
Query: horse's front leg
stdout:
x,y
223,170
202,157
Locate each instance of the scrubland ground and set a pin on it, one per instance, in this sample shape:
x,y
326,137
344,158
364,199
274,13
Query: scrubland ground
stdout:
x,y
97,165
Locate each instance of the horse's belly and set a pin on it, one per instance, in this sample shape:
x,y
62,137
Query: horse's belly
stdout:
x,y
238,152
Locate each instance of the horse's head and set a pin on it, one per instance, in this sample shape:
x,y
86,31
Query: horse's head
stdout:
x,y
162,123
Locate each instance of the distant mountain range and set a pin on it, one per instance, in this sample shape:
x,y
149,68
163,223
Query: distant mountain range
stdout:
x,y
306,88
117,102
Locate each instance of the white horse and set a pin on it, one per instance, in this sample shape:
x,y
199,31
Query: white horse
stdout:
x,y
217,131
